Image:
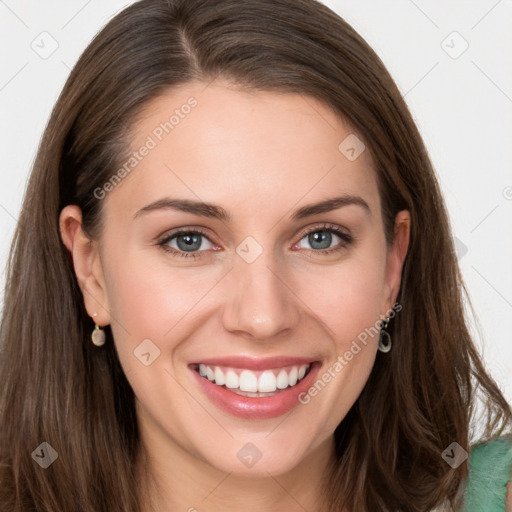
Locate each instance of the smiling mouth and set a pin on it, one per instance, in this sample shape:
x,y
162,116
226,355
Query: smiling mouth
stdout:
x,y
251,383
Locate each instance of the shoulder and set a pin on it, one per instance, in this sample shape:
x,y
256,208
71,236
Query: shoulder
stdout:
x,y
490,469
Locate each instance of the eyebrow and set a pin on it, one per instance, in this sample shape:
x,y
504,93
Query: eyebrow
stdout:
x,y
214,211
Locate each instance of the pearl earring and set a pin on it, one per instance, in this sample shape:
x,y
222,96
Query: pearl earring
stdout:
x,y
98,335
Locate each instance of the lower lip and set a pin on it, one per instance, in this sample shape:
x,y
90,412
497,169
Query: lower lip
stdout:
x,y
257,407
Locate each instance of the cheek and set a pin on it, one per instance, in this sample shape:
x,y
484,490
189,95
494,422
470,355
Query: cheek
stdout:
x,y
152,300
147,301
349,307
347,296
149,297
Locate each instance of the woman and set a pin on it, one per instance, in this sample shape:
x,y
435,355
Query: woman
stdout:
x,y
221,293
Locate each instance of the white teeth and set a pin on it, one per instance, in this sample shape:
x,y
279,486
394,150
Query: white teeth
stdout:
x,y
292,377
219,376
231,379
248,381
282,380
267,382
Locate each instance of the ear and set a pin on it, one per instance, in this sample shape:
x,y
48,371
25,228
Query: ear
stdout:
x,y
395,259
87,264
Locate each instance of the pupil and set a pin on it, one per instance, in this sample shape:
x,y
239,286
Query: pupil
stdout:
x,y
322,237
188,241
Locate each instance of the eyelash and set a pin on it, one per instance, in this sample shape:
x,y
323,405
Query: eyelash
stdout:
x,y
330,228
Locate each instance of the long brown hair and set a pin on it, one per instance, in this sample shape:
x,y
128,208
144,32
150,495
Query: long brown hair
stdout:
x,y
60,389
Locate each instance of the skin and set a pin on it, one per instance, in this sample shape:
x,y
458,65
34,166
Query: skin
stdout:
x,y
260,156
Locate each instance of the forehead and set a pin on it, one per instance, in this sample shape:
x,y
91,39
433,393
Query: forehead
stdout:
x,y
228,145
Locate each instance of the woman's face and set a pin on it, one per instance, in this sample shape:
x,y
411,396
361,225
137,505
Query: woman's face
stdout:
x,y
259,289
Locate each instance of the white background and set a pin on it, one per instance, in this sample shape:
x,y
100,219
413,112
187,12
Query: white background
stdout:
x,y
463,107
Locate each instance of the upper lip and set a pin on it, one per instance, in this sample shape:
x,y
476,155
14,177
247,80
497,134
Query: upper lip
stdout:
x,y
254,363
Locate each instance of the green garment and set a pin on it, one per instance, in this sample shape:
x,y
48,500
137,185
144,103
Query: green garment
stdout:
x,y
490,469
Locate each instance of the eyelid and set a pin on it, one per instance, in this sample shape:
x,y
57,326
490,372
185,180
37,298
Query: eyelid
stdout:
x,y
327,227
187,229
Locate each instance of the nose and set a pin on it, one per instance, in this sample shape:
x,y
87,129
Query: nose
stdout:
x,y
260,302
